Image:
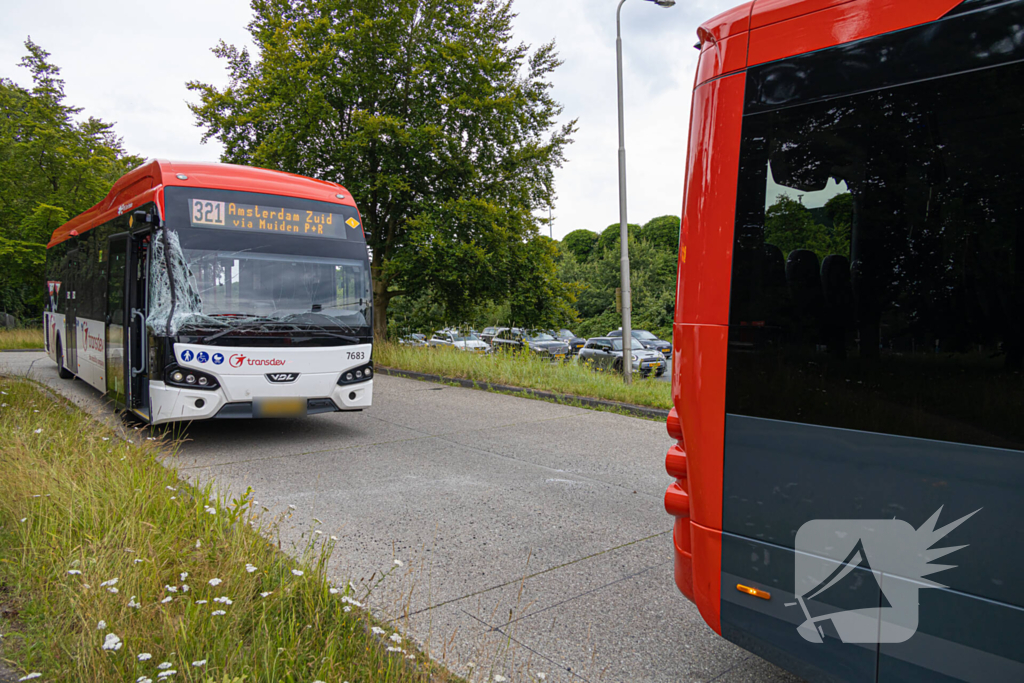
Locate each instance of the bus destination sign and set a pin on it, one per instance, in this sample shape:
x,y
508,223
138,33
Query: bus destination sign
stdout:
x,y
262,218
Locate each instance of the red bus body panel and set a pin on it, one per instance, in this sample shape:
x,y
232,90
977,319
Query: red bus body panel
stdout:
x,y
753,33
146,183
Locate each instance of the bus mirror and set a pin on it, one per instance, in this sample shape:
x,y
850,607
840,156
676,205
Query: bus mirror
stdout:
x,y
143,218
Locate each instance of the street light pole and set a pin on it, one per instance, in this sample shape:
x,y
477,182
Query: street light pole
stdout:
x,y
627,302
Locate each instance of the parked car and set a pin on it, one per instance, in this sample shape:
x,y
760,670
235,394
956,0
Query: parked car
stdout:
x,y
414,339
458,340
606,353
648,340
488,334
514,339
575,343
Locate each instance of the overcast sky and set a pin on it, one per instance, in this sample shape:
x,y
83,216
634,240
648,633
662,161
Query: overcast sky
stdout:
x,y
127,62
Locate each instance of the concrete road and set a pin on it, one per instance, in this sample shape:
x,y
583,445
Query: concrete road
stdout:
x,y
532,535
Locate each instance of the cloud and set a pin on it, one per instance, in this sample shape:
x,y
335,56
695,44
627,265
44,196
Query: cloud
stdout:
x,y
128,62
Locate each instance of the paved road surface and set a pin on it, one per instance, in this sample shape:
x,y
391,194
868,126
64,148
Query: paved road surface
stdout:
x,y
532,535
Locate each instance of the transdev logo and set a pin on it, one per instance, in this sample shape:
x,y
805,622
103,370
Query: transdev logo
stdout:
x,y
237,360
887,548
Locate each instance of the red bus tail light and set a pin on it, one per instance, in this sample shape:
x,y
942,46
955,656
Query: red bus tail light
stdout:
x,y
675,425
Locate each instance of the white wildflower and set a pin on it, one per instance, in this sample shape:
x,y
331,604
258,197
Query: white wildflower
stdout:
x,y
377,630
143,656
34,674
39,431
164,665
399,563
210,510
333,591
541,676
184,588
143,679
318,533
24,519
171,589
112,642
199,544
297,572
200,602
249,568
183,576
265,593
498,678
112,590
395,638
347,608
334,538
133,603
291,507
214,582
350,601
167,599
109,582
74,572
200,662
218,612
166,674
102,625
395,649
137,560
223,599
106,438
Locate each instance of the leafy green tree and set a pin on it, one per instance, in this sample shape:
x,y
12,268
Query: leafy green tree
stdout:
x,y
611,236
789,225
52,166
580,243
425,110
662,232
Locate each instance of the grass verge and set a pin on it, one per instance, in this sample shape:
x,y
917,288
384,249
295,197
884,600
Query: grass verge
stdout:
x,y
118,571
24,338
524,371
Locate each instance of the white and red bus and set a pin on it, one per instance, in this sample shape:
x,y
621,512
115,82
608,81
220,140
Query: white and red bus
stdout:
x,y
849,338
198,291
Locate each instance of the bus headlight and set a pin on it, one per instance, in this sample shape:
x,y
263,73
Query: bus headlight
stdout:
x,y
360,374
192,379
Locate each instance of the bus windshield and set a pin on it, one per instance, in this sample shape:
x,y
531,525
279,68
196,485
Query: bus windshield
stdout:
x,y
309,273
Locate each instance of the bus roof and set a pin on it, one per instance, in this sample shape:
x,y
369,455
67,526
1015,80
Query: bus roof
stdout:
x,y
776,29
147,182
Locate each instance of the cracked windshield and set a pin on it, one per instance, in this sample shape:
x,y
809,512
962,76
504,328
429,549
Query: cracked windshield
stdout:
x,y
249,267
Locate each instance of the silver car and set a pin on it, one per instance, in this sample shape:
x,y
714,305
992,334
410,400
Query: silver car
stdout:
x,y
606,353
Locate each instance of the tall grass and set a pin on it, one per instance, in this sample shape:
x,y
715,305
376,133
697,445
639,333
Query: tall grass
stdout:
x,y
524,370
25,338
101,544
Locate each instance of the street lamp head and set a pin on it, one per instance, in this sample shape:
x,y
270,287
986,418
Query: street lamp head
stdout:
x,y
664,3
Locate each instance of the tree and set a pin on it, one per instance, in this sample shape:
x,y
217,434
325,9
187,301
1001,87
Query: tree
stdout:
x,y
580,243
662,232
52,167
611,236
424,110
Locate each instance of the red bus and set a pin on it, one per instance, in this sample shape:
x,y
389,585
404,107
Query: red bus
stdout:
x,y
197,291
849,338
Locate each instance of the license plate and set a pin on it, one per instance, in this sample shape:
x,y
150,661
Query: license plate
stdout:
x,y
559,356
279,407
655,365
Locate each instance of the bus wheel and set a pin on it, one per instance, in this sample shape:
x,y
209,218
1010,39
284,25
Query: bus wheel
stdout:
x,y
62,372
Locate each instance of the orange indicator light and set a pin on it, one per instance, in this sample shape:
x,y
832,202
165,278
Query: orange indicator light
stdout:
x,y
753,591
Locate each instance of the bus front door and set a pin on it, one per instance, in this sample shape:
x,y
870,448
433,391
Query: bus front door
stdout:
x,y
137,346
116,318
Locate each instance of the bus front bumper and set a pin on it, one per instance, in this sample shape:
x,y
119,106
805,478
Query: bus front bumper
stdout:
x,y
174,404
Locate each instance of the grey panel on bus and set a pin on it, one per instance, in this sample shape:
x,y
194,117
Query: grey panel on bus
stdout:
x,y
780,475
